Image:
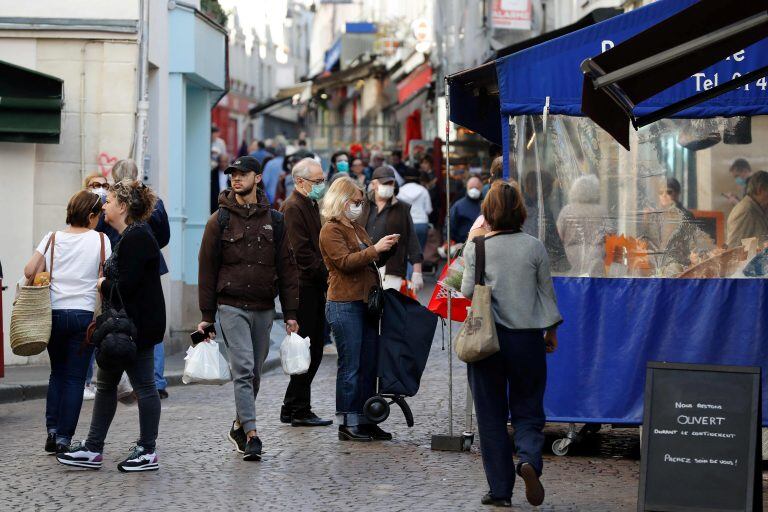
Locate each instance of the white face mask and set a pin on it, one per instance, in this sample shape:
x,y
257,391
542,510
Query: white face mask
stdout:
x,y
473,193
101,192
354,212
386,191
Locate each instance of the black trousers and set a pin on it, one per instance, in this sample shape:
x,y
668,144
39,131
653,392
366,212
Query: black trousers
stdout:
x,y
510,384
311,318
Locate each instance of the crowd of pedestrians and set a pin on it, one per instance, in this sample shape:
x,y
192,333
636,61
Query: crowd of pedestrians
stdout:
x,y
319,241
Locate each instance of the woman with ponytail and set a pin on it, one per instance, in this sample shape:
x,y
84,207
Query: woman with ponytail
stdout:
x,y
131,282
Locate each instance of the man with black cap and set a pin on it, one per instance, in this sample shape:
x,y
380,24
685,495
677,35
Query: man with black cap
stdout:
x,y
245,261
389,216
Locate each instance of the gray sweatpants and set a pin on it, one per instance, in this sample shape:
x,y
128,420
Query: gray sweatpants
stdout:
x,y
246,334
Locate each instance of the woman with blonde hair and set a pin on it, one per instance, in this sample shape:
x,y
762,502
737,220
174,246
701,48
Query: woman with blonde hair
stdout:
x,y
351,259
131,282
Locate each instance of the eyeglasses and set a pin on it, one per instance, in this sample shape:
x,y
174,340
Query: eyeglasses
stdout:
x,y
314,182
356,203
96,185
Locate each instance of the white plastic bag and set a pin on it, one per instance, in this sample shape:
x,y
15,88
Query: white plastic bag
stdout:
x,y
294,354
204,364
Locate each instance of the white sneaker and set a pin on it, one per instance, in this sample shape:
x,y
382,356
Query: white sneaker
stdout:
x,y
89,392
139,460
80,457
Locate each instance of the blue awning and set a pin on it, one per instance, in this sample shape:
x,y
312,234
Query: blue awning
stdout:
x,y
332,56
551,69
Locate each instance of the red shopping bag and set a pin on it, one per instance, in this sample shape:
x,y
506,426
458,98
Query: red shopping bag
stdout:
x,y
407,290
438,304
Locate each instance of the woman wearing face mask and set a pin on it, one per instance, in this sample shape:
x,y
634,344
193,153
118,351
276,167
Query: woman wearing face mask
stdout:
x,y
388,216
350,255
339,165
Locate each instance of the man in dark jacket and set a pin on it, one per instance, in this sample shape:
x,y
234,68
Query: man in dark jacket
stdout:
x,y
302,226
219,181
245,261
466,210
388,216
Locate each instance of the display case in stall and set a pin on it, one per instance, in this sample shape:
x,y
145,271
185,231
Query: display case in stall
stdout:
x,y
649,261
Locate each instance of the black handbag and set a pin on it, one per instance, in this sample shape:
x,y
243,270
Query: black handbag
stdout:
x,y
376,302
113,334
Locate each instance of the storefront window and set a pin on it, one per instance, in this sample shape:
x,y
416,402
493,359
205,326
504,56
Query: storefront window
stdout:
x,y
675,206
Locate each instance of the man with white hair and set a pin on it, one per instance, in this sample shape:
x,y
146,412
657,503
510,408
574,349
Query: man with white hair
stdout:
x,y
302,225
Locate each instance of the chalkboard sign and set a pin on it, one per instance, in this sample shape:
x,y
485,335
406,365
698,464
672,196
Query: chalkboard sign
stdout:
x,y
700,439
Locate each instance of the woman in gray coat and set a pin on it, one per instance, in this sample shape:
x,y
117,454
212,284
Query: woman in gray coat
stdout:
x,y
510,383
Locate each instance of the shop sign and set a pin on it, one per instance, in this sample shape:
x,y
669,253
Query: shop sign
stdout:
x,y
511,14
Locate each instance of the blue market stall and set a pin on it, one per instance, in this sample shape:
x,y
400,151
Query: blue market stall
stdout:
x,y
638,240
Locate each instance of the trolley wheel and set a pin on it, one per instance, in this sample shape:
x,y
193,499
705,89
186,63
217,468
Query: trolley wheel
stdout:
x,y
376,409
560,447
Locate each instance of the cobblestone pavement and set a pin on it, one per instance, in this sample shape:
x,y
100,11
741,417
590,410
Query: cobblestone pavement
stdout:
x,y
303,469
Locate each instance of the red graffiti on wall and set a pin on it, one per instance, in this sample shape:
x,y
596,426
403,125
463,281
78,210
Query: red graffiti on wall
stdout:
x,y
105,163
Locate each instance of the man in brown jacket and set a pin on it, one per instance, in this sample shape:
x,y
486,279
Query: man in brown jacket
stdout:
x,y
302,226
245,261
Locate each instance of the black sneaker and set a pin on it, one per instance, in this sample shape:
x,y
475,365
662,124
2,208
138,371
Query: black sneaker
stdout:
x,y
496,502
252,449
139,460
50,442
286,415
79,456
237,437
62,448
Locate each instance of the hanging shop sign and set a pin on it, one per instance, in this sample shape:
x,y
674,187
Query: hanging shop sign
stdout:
x,y
511,14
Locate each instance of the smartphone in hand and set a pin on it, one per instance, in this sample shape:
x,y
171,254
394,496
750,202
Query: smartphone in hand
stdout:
x,y
198,336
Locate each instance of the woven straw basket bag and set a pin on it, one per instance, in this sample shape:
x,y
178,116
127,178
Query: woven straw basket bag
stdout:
x,y
31,316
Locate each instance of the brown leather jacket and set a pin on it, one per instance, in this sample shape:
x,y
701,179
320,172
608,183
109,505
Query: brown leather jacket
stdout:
x,y
242,267
351,273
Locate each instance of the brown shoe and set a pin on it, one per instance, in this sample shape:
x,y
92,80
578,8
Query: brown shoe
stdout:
x,y
534,491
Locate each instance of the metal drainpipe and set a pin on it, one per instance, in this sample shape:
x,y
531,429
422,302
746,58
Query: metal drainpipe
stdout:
x,y
142,105
448,238
83,172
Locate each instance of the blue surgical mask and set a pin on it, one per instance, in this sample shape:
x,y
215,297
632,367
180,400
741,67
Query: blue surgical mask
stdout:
x,y
741,181
317,192
342,166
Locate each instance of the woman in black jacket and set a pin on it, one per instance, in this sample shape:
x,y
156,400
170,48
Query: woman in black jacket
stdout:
x,y
133,270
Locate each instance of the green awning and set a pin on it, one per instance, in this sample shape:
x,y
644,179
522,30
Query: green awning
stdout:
x,y
30,105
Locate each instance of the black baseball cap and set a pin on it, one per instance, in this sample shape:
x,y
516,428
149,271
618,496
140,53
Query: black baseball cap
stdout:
x,y
245,164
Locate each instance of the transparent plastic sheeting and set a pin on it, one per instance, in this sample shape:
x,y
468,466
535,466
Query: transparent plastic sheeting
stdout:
x,y
660,210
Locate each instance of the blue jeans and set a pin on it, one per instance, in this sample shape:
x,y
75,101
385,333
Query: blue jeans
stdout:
x,y
520,367
68,368
356,342
160,382
89,375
